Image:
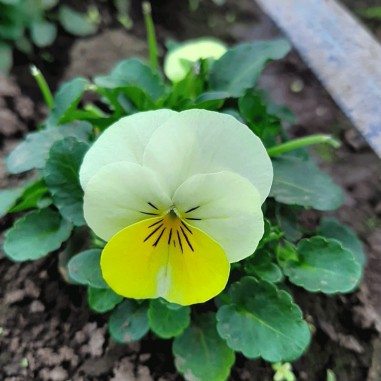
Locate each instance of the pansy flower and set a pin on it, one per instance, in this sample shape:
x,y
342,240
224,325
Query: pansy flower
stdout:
x,y
177,196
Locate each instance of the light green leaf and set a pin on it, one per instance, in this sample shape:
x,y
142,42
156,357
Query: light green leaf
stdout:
x,y
35,235
62,178
330,375
49,4
239,68
298,182
323,265
34,150
10,2
262,321
132,74
332,228
43,33
66,100
8,198
34,195
85,268
129,321
165,321
6,58
102,300
75,22
200,353
262,266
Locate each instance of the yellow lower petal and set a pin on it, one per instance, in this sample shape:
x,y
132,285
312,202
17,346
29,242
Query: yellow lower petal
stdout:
x,y
164,257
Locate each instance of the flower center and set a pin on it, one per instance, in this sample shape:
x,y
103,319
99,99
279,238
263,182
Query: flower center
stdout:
x,y
171,227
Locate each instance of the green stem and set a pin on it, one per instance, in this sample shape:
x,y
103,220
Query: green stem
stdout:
x,y
302,142
42,84
151,35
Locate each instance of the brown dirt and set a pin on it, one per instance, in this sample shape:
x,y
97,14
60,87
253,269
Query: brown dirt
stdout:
x,y
48,333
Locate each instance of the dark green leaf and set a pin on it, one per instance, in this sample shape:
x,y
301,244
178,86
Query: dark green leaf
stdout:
x,y
332,228
263,322
133,73
253,106
35,235
263,267
288,222
85,268
62,178
200,353
102,300
34,150
239,68
6,58
271,233
43,33
129,321
75,22
210,100
323,265
66,100
298,182
165,321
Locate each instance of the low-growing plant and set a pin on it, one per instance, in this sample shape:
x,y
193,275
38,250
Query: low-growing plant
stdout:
x,y
147,193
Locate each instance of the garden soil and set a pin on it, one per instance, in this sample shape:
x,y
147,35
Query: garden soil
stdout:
x,y
47,332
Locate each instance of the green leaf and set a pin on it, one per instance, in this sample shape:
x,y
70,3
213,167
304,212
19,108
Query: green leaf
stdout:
x,y
102,300
323,265
287,218
253,106
85,268
262,321
332,228
298,182
209,101
34,195
34,150
62,178
66,100
77,242
165,321
75,22
263,267
200,353
133,74
12,2
129,321
239,68
43,33
8,198
49,4
35,235
371,13
271,233
6,58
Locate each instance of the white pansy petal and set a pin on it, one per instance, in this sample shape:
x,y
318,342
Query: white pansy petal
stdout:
x,y
121,194
125,140
226,207
200,141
